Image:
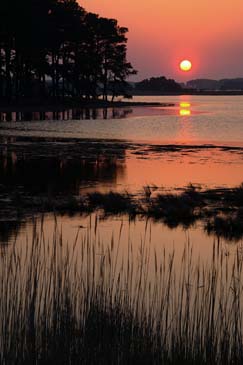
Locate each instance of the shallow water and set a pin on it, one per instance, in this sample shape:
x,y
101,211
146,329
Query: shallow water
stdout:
x,y
193,119
155,236
126,152
70,168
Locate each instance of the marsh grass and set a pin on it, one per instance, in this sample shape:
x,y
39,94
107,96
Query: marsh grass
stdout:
x,y
176,209
227,227
219,210
113,202
88,302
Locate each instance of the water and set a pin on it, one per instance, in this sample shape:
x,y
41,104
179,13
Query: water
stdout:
x,y
193,119
155,235
194,142
122,150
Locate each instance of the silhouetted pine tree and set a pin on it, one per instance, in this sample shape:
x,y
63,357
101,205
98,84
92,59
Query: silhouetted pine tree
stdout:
x,y
54,48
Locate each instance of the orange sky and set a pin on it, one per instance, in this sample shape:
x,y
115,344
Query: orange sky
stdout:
x,y
162,32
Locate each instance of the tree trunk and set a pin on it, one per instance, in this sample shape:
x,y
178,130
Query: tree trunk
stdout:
x,y
1,74
8,90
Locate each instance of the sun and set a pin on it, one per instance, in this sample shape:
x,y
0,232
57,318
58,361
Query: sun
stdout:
x,y
185,65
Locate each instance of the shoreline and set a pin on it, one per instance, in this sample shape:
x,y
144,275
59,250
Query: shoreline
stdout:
x,y
145,145
55,106
46,107
83,145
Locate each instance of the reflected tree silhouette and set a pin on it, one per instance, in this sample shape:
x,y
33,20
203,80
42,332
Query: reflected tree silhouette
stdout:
x,y
67,114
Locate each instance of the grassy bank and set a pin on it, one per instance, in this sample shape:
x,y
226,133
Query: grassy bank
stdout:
x,y
87,303
219,210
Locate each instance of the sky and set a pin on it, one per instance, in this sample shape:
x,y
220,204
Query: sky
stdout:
x,y
163,32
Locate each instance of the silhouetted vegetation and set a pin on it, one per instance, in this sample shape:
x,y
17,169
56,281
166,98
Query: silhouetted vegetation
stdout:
x,y
94,302
226,226
176,209
55,49
223,85
220,210
157,84
8,229
34,182
112,203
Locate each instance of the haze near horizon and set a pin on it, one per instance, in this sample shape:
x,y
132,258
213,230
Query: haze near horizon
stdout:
x,y
163,33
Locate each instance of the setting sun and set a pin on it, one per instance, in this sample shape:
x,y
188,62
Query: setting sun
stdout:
x,y
185,65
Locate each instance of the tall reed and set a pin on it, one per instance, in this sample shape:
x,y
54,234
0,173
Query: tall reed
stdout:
x,y
88,302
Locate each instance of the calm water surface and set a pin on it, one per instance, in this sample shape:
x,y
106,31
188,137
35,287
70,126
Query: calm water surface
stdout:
x,y
194,121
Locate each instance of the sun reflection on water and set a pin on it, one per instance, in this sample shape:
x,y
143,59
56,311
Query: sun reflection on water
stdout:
x,y
185,104
185,110
185,133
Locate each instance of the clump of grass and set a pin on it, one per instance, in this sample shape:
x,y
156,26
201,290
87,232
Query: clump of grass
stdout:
x,y
9,228
68,204
173,209
112,202
235,196
89,303
184,209
176,209
227,227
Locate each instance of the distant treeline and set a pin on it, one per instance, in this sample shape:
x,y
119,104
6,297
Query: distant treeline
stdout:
x,y
161,86
55,49
157,85
220,85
